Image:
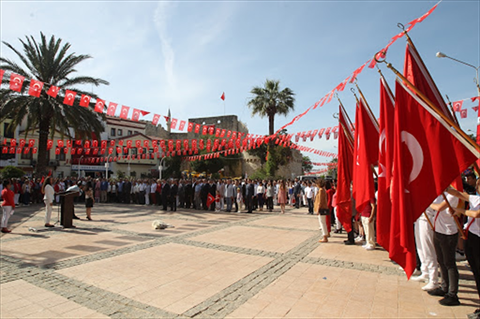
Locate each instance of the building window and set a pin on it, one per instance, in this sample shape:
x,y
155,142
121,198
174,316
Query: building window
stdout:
x,y
119,132
61,156
112,132
28,156
129,132
136,132
8,133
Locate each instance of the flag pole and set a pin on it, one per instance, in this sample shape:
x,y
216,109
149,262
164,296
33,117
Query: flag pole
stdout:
x,y
429,221
384,80
454,116
366,103
345,130
460,229
432,106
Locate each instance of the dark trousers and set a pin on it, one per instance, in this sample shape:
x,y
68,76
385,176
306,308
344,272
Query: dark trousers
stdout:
x,y
236,204
173,203
260,201
249,203
445,247
310,205
158,199
204,203
165,202
472,247
297,201
270,203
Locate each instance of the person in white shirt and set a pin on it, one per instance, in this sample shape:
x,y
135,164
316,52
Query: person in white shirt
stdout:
x,y
153,189
230,193
472,230
260,195
308,191
48,199
426,248
445,241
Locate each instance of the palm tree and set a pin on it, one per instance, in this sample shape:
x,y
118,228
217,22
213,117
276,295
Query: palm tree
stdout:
x,y
269,101
49,62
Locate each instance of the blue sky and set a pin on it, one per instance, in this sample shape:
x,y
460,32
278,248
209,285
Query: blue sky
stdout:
x,y
183,54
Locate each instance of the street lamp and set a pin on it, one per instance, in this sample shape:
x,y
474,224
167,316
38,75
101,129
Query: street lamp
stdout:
x,y
106,167
78,174
160,168
443,55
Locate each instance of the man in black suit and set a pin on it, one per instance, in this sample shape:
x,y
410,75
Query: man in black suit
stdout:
x,y
165,194
204,194
188,193
296,192
173,196
127,189
213,192
249,192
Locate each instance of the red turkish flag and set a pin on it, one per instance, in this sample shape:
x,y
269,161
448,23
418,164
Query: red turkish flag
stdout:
x,y
173,124
320,133
457,106
463,113
222,134
417,73
99,106
223,96
217,132
357,72
385,162
155,119
135,115
181,126
327,133
53,91
16,82
69,97
2,72
211,130
428,156
365,155
345,161
412,23
190,126
204,130
124,112
314,133
112,107
85,100
35,88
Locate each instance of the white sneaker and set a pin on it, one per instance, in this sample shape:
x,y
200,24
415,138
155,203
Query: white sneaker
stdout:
x,y
430,286
422,277
359,239
369,247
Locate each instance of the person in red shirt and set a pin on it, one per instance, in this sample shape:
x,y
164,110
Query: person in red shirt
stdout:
x,y
8,205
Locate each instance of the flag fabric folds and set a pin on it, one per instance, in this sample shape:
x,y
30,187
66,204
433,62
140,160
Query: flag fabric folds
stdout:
x,y
365,156
385,158
345,163
428,156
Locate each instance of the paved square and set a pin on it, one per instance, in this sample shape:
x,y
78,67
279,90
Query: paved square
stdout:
x,y
255,238
211,265
172,277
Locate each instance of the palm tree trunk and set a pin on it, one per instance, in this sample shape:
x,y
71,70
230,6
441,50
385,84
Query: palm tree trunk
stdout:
x,y
44,127
270,166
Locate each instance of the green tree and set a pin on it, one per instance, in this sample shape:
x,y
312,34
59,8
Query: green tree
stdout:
x,y
11,172
306,164
268,101
51,62
333,170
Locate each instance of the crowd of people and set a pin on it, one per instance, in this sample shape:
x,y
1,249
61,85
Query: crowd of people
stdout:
x,y
438,243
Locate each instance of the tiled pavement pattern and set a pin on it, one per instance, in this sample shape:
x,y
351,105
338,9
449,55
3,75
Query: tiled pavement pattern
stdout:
x,y
262,265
